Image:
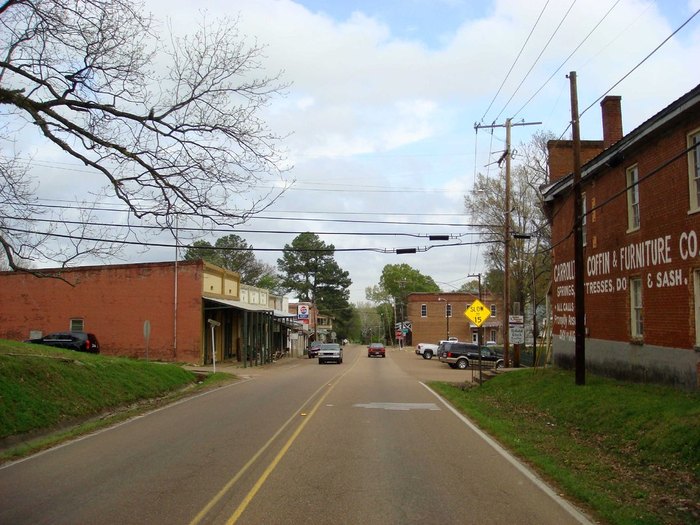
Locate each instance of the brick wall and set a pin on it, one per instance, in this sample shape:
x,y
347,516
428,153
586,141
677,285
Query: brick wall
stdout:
x,y
665,266
113,301
433,327
561,162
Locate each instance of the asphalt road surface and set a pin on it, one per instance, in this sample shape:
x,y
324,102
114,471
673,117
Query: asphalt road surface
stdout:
x,y
363,442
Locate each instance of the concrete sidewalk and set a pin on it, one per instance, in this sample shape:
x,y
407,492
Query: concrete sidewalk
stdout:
x,y
237,368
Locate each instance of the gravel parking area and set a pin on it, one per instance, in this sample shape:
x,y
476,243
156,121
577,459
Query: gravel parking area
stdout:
x,y
429,369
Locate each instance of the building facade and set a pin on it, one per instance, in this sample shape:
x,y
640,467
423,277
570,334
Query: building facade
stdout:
x,y
186,311
438,316
314,326
641,228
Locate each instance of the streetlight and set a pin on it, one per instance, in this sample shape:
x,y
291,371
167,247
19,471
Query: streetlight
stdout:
x,y
448,309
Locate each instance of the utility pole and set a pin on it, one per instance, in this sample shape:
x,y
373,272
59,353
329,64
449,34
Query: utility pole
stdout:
x,y
579,305
506,234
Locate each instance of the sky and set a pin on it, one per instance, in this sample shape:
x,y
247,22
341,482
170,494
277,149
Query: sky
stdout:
x,y
379,117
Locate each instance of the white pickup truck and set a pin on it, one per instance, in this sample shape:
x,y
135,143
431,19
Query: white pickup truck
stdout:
x,y
428,350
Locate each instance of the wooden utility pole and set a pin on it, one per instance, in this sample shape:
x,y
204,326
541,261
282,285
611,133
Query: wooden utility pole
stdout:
x,y
579,305
506,257
506,236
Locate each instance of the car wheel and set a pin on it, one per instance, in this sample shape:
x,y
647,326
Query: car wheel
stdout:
x,y
340,362
428,354
499,364
462,364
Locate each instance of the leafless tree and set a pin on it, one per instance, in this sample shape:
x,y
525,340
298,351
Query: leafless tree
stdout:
x,y
530,261
173,128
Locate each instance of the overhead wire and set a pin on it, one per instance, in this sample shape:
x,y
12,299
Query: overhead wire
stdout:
x,y
556,30
510,70
647,57
81,238
566,59
223,218
641,62
621,192
231,230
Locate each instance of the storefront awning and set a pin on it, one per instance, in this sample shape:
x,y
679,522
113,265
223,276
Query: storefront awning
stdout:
x,y
241,305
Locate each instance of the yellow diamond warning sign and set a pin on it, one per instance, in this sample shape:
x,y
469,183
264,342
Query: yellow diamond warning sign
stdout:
x,y
477,313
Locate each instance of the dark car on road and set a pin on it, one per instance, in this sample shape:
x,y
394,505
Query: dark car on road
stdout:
x,y
313,349
464,355
376,350
79,341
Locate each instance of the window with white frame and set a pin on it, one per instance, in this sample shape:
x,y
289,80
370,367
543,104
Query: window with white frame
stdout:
x,y
424,310
77,325
493,310
632,198
636,311
694,170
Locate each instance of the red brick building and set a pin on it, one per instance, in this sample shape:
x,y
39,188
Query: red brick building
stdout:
x,y
115,301
437,316
641,197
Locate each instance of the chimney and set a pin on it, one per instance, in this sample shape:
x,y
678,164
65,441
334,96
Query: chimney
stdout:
x,y
612,120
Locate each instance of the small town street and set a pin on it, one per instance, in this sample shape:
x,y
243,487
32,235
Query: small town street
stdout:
x,y
295,442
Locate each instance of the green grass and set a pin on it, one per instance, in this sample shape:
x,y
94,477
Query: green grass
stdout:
x,y
48,394
629,453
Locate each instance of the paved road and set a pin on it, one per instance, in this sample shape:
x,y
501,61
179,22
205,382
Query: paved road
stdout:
x,y
362,442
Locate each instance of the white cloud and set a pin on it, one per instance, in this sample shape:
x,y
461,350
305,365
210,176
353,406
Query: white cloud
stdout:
x,y
371,111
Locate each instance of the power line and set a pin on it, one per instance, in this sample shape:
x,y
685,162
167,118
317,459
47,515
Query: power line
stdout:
x,y
633,69
223,218
642,61
567,59
622,192
81,238
334,212
556,30
522,48
236,230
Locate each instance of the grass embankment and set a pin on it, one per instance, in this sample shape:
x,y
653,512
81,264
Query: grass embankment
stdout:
x,y
48,394
630,453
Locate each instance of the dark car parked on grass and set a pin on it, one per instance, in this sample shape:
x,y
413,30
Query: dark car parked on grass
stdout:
x,y
464,355
79,341
376,350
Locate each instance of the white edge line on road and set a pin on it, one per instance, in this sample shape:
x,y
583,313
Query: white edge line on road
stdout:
x,y
121,423
568,507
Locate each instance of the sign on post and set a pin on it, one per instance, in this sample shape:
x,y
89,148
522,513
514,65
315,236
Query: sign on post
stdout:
x,y
516,329
477,313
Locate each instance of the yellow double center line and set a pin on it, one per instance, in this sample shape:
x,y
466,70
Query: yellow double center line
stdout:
x,y
271,467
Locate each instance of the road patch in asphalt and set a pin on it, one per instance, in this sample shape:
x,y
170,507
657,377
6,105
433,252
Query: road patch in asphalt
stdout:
x,y
399,406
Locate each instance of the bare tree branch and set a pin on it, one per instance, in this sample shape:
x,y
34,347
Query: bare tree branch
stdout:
x,y
174,130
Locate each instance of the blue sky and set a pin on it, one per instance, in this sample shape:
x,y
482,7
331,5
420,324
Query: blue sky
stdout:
x,y
384,95
430,21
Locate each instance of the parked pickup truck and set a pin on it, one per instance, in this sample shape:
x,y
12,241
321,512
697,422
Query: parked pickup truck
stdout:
x,y
330,352
428,350
464,355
